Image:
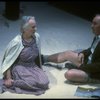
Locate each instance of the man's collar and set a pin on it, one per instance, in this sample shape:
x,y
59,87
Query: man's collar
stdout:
x,y
99,36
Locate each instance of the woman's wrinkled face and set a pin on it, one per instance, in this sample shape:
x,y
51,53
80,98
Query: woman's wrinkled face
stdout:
x,y
31,28
96,25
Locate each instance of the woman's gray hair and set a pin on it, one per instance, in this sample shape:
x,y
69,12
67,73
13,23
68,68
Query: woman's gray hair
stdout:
x,y
24,23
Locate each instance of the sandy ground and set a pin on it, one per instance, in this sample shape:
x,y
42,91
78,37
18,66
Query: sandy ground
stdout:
x,y
59,31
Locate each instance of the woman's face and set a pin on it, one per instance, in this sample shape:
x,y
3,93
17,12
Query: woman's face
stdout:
x,y
31,29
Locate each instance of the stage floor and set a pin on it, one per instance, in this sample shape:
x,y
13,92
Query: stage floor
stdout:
x,y
59,31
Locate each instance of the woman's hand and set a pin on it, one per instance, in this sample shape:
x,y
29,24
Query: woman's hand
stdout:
x,y
8,82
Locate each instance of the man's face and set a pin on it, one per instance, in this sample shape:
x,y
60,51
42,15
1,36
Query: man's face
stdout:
x,y
96,25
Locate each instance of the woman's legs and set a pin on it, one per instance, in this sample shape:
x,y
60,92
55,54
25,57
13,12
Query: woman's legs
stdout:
x,y
76,75
64,56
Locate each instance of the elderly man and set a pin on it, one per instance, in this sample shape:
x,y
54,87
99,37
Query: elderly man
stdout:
x,y
87,62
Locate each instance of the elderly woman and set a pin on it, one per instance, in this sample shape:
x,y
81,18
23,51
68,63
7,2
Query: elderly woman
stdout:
x,y
21,64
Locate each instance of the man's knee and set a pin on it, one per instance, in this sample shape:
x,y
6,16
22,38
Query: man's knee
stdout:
x,y
68,75
76,75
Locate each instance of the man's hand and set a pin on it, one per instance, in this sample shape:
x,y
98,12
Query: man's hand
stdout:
x,y
81,58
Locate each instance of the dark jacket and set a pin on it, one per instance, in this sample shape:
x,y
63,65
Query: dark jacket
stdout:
x,y
94,67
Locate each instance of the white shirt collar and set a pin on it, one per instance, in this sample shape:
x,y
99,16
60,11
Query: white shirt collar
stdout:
x,y
99,36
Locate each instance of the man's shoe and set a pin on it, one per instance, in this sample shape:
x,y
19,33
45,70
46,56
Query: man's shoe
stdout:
x,y
55,65
70,66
